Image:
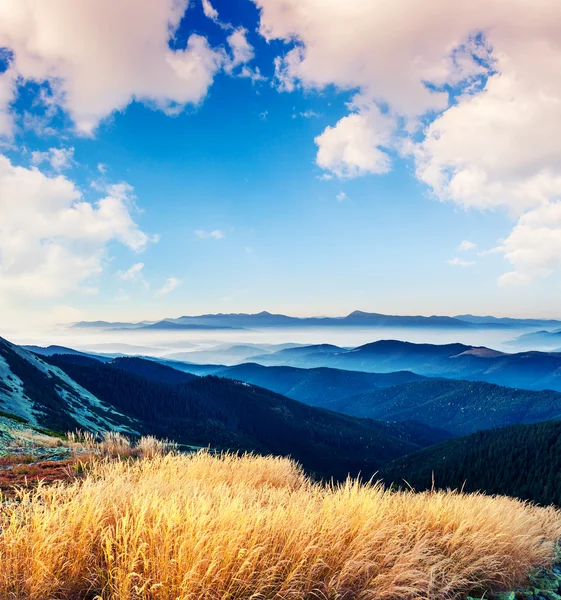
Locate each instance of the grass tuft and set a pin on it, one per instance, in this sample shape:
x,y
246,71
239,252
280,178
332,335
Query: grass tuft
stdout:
x,y
208,527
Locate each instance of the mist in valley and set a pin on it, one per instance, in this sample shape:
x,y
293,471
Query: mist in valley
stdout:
x,y
175,343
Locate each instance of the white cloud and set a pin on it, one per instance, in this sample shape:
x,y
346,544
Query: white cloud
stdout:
x,y
242,50
217,234
251,73
99,56
133,274
495,144
58,158
209,10
466,246
341,196
460,262
309,114
52,241
102,168
354,146
7,95
534,245
170,285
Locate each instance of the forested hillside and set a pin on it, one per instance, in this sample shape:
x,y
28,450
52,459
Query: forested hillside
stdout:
x,y
521,460
460,407
232,415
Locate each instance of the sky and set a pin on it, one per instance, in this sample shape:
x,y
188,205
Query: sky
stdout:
x,y
310,157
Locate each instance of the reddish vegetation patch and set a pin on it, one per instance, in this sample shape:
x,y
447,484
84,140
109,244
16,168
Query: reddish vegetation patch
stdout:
x,y
17,473
483,352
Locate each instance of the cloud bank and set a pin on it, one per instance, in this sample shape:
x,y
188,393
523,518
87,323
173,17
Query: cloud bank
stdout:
x,y
97,57
52,241
470,92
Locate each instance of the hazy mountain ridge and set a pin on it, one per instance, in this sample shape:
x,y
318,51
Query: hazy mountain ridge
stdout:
x,y
527,370
356,318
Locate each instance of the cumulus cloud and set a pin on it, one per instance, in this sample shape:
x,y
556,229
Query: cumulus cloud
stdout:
x,y
51,240
534,245
99,56
58,158
466,246
341,196
470,91
460,262
355,145
217,234
170,285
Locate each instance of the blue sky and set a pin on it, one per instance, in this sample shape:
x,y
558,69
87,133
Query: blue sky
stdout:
x,y
238,210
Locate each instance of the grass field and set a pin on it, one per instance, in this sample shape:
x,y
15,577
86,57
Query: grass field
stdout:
x,y
206,527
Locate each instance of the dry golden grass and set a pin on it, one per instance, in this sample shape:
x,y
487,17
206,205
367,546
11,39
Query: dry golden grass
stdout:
x,y
206,527
111,444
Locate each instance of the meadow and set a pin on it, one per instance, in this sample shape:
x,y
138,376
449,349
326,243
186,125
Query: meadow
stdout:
x,y
227,527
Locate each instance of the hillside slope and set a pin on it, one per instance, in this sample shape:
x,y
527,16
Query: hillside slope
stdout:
x,y
521,460
460,407
46,396
318,387
235,415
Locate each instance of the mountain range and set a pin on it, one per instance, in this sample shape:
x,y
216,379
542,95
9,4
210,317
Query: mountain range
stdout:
x,y
528,370
136,396
458,406
402,423
539,339
356,318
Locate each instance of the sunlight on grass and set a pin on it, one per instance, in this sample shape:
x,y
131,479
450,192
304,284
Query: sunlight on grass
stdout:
x,y
224,527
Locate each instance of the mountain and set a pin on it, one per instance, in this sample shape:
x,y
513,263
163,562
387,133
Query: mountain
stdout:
x,y
318,387
152,370
304,356
107,325
538,339
51,350
509,322
44,395
265,319
234,415
460,407
168,324
527,370
222,355
520,460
